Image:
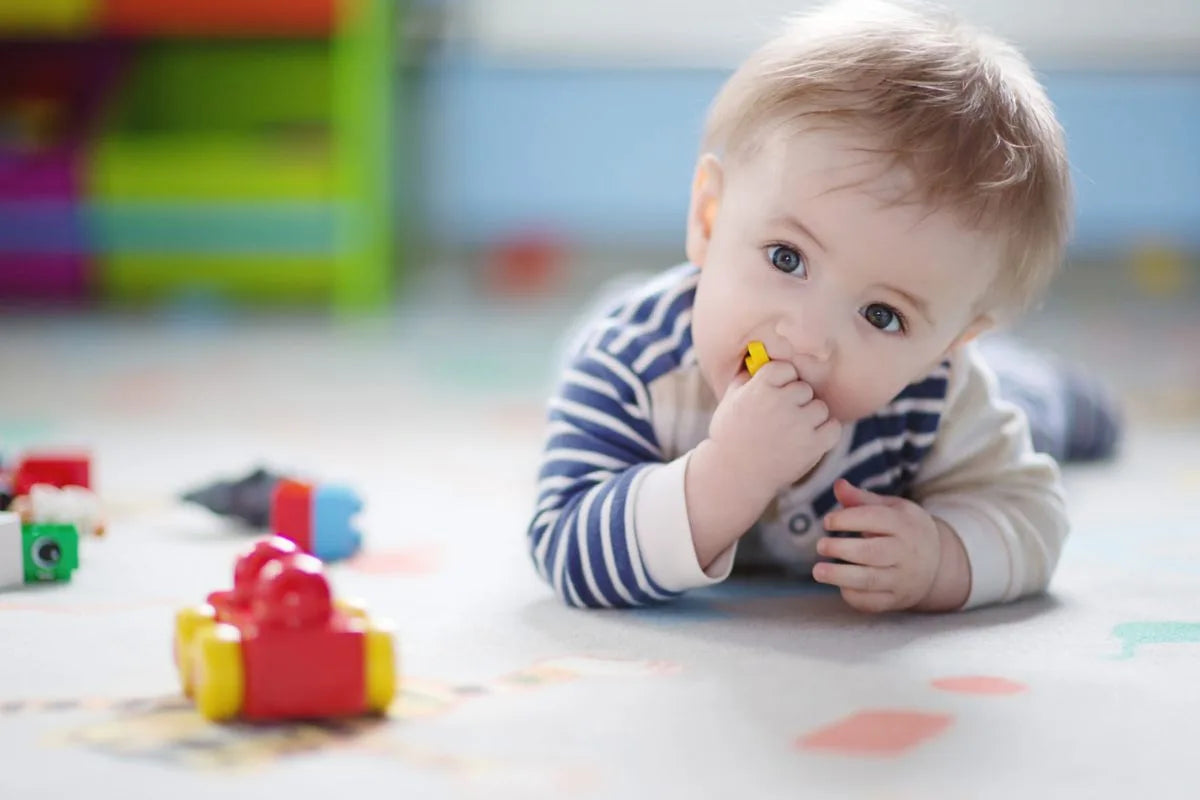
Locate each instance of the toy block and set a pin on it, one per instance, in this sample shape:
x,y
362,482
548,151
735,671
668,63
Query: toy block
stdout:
x,y
317,518
291,512
12,562
51,551
69,505
237,654
36,553
756,356
55,469
334,536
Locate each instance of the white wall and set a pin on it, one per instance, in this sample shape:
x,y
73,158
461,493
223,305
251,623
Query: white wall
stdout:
x,y
707,33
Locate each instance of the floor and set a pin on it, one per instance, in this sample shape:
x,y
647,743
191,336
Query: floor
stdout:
x,y
433,414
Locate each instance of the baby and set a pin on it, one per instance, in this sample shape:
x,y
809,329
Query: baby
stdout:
x,y
878,185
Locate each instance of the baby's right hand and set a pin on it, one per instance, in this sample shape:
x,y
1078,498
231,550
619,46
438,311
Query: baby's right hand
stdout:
x,y
771,428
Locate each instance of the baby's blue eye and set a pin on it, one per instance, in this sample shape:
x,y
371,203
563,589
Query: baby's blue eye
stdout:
x,y
885,318
787,259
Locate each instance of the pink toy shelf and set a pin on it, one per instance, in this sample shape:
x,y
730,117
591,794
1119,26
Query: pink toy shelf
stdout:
x,y
49,105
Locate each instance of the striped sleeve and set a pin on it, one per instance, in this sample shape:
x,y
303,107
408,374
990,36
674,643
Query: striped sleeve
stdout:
x,y
983,478
599,448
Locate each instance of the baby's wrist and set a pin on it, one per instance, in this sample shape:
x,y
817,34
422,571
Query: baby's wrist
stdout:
x,y
720,507
952,581
737,472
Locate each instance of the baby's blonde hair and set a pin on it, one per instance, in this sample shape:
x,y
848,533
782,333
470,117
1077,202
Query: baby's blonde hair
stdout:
x,y
960,109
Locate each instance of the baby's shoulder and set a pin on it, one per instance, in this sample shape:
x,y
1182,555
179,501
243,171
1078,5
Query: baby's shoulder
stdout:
x,y
642,322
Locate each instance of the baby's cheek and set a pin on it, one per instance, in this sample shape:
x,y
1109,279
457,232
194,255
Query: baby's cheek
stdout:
x,y
849,406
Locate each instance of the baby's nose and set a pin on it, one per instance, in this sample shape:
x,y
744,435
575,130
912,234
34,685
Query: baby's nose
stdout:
x,y
809,335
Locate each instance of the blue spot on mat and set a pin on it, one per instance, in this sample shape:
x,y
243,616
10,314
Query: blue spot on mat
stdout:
x,y
1135,634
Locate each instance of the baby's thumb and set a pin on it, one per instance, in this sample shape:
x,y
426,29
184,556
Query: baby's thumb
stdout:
x,y
739,380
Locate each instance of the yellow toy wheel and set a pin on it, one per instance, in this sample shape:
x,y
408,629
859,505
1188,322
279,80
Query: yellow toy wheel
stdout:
x,y
355,609
217,672
188,623
379,660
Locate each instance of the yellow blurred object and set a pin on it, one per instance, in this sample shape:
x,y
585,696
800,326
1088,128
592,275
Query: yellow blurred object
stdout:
x,y
380,664
757,357
217,672
188,623
352,608
1159,270
46,16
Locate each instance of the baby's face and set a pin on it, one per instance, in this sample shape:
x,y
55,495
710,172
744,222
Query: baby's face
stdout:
x,y
806,255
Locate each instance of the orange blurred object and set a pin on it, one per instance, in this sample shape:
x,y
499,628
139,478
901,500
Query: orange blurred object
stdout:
x,y
229,17
528,264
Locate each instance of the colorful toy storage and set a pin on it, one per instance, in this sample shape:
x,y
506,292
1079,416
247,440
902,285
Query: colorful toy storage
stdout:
x,y
238,148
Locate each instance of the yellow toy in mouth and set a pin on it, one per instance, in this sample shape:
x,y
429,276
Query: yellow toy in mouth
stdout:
x,y
757,356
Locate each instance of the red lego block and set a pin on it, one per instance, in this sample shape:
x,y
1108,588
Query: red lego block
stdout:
x,y
277,645
281,666
292,512
55,469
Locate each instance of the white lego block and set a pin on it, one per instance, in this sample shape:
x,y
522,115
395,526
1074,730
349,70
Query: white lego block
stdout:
x,y
69,505
12,556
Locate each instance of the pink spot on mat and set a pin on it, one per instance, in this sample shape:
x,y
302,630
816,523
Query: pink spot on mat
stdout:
x,y
876,733
979,684
409,561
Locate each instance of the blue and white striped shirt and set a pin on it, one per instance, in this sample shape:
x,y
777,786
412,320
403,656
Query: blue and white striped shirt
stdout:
x,y
610,529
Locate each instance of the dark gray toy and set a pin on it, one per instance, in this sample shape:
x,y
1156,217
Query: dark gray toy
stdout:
x,y
247,499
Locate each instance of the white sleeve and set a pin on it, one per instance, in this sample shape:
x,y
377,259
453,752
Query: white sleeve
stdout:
x,y
982,477
664,534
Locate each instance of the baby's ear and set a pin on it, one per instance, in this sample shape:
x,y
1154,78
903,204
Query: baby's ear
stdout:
x,y
702,212
981,324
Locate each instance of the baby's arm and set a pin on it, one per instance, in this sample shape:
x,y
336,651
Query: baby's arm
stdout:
x,y
983,481
610,528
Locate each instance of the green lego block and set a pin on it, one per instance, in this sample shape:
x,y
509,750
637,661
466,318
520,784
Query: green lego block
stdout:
x,y
51,551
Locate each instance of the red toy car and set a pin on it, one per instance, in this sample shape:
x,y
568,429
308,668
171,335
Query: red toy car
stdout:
x,y
277,646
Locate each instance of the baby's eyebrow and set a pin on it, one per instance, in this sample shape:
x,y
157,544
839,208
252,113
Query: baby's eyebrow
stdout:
x,y
793,222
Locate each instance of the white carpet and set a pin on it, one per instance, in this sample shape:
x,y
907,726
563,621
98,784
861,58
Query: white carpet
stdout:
x,y
757,689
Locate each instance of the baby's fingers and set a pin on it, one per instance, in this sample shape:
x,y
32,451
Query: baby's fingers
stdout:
x,y
876,551
799,393
777,373
870,602
739,380
865,519
852,576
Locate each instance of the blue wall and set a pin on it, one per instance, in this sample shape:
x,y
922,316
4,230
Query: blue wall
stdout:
x,y
605,156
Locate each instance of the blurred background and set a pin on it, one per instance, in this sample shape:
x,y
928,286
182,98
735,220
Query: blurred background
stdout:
x,y
431,191
345,240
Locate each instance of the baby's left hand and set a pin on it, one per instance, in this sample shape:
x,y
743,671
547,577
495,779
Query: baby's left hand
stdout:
x,y
893,566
